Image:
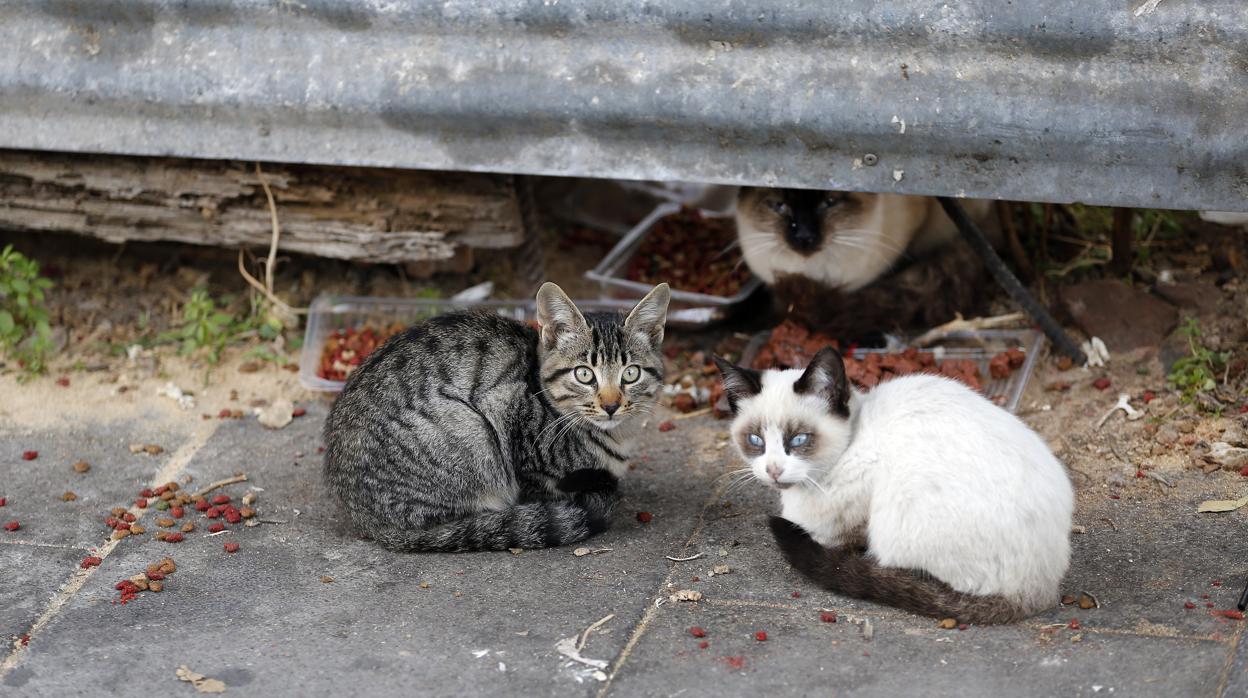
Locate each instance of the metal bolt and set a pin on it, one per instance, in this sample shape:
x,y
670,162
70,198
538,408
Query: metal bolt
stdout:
x,y
869,159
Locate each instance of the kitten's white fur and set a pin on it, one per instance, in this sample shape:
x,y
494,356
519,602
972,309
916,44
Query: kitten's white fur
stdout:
x,y
943,480
892,226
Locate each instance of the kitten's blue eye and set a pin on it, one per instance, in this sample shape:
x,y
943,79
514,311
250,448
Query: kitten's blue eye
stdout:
x,y
799,440
631,374
584,374
755,440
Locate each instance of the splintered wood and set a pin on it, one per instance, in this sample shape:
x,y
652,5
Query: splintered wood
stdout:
x,y
372,215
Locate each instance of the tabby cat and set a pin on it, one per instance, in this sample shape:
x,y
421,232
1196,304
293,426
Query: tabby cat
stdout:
x,y
471,431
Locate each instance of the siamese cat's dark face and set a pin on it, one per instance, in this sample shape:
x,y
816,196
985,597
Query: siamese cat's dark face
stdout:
x,y
803,219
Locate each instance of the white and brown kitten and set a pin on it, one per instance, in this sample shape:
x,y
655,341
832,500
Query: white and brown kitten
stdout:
x,y
847,263
920,494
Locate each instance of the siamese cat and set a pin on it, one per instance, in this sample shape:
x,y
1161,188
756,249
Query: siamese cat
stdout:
x,y
920,493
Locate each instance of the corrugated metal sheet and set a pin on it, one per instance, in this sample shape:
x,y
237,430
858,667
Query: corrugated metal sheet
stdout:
x,y
1130,103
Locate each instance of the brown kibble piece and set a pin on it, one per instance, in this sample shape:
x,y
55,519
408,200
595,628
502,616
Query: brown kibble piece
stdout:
x,y
168,566
173,486
684,402
136,529
140,581
1068,599
153,568
188,527
167,495
118,511
247,512
68,497
81,466
1086,602
160,535
949,623
327,579
164,523
153,449
424,585
1065,363
156,586
120,533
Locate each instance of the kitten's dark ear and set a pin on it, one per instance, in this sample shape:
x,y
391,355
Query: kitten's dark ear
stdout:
x,y
561,322
649,316
825,377
739,383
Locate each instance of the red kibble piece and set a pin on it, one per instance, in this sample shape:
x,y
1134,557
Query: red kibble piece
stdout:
x,y
704,644
156,575
173,538
1101,383
697,632
233,516
63,382
1074,624
122,526
796,594
298,412
1243,471
827,617
221,499
1216,583
761,636
202,505
1139,473
12,526
1233,615
128,517
212,512
110,522
177,512
1204,596
737,662
223,414
696,579
320,449
667,426
1189,605
147,492
231,547
25,639
1149,396
644,516
159,491
30,455
91,561
1209,605
216,527
1243,409
140,503
1115,496
3,501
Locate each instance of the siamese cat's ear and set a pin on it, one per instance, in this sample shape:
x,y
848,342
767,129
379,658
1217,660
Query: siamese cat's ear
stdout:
x,y
649,316
739,383
562,323
825,377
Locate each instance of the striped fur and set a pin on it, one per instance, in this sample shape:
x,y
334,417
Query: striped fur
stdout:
x,y
471,431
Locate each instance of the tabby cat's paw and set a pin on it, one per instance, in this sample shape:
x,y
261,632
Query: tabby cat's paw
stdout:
x,y
588,480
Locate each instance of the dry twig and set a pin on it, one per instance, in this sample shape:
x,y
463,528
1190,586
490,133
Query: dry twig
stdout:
x,y
221,483
960,324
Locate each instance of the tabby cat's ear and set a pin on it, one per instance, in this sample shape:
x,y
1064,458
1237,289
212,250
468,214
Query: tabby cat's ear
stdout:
x,y
739,383
648,318
561,322
825,377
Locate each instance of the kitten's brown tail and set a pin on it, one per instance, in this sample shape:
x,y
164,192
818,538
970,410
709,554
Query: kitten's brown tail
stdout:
x,y
849,572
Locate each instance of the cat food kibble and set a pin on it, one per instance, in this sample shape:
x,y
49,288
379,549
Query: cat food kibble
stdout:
x,y
644,516
231,547
697,632
30,455
91,561
692,253
761,636
12,526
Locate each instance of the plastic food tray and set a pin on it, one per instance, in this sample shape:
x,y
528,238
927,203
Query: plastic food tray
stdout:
x,y
979,347
329,313
610,272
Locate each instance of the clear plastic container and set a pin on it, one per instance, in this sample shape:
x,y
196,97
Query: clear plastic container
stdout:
x,y
978,346
329,313
610,272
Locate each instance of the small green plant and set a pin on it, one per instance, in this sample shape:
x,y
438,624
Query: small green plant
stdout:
x,y
24,331
204,326
1199,371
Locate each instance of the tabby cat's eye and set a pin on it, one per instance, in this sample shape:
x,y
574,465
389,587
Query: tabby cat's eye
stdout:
x,y
799,440
584,374
755,440
631,374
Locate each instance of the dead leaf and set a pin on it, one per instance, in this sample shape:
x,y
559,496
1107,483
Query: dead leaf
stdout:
x,y
277,415
1220,505
686,595
199,681
720,569
581,552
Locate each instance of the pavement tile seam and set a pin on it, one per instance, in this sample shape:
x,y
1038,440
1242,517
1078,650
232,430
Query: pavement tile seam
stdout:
x,y
171,470
37,544
652,607
1225,679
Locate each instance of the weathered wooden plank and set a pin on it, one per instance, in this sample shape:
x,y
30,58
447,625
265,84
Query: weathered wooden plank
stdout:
x,y
365,214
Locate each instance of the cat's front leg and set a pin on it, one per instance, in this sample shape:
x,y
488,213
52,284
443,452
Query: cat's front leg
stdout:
x,y
829,521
